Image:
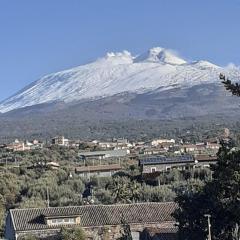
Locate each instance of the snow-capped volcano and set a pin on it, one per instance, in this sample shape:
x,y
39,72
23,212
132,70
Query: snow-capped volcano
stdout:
x,y
160,55
158,69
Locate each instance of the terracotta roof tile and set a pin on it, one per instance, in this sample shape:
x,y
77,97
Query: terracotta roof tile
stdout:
x,y
94,215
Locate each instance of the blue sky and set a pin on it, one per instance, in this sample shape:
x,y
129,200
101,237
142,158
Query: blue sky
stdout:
x,y
43,36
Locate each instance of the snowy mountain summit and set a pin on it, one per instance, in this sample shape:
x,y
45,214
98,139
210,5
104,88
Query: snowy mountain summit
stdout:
x,y
160,55
158,69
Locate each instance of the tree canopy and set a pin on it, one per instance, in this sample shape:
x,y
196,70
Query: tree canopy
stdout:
x,y
234,88
76,233
219,197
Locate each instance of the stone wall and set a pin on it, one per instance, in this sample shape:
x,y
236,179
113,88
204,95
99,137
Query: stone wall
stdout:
x,y
102,233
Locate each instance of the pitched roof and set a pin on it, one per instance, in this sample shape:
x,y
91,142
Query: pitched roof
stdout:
x,y
98,168
112,153
163,160
94,215
203,158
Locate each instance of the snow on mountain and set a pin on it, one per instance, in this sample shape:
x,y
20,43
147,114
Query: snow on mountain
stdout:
x,y
160,55
115,73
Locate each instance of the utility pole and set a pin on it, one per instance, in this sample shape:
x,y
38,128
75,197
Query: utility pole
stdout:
x,y
48,201
208,216
89,174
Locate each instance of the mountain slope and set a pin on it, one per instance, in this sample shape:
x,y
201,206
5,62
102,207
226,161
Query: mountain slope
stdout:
x,y
128,115
156,70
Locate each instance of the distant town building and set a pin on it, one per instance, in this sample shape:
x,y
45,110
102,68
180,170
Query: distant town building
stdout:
x,y
162,163
120,143
107,145
104,154
157,142
154,151
226,133
122,140
188,148
60,141
98,170
213,146
204,160
35,144
19,146
53,165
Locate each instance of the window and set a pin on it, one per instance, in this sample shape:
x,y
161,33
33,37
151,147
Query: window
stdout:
x,y
71,220
63,221
168,168
60,221
153,169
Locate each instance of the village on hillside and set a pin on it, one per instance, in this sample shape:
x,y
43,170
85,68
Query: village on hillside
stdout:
x,y
103,168
119,120
107,157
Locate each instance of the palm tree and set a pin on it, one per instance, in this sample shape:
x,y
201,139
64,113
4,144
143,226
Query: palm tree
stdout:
x,y
120,190
135,191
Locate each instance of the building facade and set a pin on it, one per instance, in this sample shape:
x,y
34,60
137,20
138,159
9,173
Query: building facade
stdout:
x,y
162,163
98,170
60,141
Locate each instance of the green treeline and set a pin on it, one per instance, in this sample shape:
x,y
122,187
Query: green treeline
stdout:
x,y
24,183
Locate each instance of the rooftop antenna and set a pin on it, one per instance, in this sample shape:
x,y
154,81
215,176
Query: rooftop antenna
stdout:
x,y
6,163
208,216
